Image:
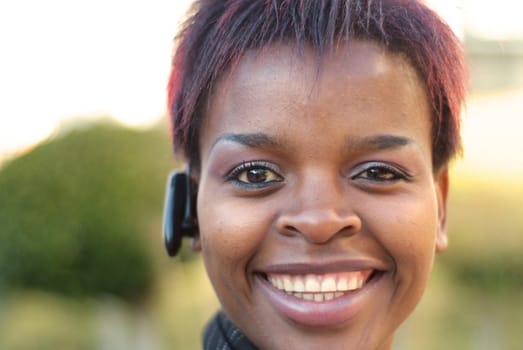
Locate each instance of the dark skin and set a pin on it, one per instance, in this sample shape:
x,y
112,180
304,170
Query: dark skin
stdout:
x,y
309,177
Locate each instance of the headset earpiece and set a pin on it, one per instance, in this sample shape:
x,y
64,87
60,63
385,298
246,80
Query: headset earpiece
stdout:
x,y
179,218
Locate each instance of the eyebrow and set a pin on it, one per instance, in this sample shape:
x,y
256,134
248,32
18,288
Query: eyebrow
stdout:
x,y
369,143
252,140
378,142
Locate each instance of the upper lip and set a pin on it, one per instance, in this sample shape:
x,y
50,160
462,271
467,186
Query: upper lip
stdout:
x,y
310,267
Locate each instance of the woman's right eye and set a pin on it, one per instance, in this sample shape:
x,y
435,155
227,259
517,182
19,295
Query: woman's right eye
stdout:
x,y
254,174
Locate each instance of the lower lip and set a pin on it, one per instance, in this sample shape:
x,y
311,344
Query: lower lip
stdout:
x,y
330,313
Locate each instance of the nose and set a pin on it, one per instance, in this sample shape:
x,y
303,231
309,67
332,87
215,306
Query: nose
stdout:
x,y
319,212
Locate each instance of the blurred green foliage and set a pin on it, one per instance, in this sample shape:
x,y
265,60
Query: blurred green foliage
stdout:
x,y
485,234
76,211
39,321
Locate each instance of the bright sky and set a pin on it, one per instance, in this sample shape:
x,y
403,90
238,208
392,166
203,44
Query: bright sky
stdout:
x,y
499,19
67,59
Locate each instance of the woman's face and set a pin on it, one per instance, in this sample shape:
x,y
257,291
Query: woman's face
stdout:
x,y
318,208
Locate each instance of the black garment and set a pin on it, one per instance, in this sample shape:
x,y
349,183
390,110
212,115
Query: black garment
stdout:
x,y
221,334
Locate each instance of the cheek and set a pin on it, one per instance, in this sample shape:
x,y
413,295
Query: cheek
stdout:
x,y
407,230
420,241
230,233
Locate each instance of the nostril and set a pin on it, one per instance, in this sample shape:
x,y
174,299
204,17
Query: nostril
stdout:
x,y
348,230
318,226
317,235
291,229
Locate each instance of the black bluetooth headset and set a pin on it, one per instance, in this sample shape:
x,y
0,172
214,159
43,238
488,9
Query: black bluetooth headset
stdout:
x,y
179,215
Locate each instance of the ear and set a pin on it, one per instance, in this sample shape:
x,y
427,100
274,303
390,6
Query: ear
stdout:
x,y
196,243
441,182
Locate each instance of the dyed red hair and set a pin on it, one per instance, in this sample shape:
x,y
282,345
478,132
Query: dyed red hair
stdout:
x,y
219,32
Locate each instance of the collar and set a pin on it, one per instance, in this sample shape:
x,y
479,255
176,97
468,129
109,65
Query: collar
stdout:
x,y
221,333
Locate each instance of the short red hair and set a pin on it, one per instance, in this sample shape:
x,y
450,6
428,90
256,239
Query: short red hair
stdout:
x,y
219,32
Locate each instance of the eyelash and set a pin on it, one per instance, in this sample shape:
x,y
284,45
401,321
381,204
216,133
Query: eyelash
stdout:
x,y
382,168
392,174
235,174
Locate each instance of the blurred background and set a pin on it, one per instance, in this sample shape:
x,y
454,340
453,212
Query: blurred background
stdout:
x,y
84,155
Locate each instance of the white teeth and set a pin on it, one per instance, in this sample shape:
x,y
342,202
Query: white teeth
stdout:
x,y
319,287
328,284
287,284
352,284
342,284
362,280
279,284
360,283
317,297
308,296
299,286
312,284
329,296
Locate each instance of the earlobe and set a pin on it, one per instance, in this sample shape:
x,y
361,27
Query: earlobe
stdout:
x,y
196,244
441,183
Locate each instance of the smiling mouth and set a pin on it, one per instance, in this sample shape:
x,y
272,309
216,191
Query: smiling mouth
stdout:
x,y
320,287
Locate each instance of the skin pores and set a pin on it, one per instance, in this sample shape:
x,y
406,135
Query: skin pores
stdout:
x,y
318,207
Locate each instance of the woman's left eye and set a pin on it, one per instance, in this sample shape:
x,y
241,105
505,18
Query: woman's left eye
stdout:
x,y
381,173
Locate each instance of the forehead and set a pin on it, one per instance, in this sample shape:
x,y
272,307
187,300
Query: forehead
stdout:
x,y
359,59
360,78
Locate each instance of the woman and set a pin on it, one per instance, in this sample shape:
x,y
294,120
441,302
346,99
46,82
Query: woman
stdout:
x,y
318,136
